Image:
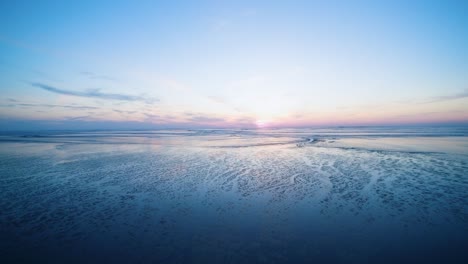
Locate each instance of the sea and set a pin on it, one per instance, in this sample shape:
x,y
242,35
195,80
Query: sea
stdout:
x,y
390,194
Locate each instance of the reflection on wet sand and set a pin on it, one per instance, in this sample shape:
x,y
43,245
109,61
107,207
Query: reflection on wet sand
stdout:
x,y
234,196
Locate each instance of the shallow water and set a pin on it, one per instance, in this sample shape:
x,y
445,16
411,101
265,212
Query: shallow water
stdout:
x,y
338,195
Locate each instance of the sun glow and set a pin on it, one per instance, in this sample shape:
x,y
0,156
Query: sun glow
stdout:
x,y
261,123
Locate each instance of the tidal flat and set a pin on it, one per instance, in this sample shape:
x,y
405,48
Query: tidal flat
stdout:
x,y
332,195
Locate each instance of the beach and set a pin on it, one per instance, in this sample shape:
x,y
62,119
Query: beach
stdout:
x,y
354,195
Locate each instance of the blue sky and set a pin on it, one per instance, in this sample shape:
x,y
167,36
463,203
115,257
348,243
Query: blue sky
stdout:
x,y
232,63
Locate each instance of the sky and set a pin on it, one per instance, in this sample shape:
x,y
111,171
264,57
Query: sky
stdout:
x,y
232,64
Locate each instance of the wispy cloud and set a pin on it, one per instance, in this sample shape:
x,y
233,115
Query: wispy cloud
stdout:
x,y
436,99
245,120
205,119
95,94
95,76
80,107
431,114
77,118
123,111
151,115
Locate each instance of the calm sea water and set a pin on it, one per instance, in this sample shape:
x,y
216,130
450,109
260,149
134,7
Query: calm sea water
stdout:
x,y
338,195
